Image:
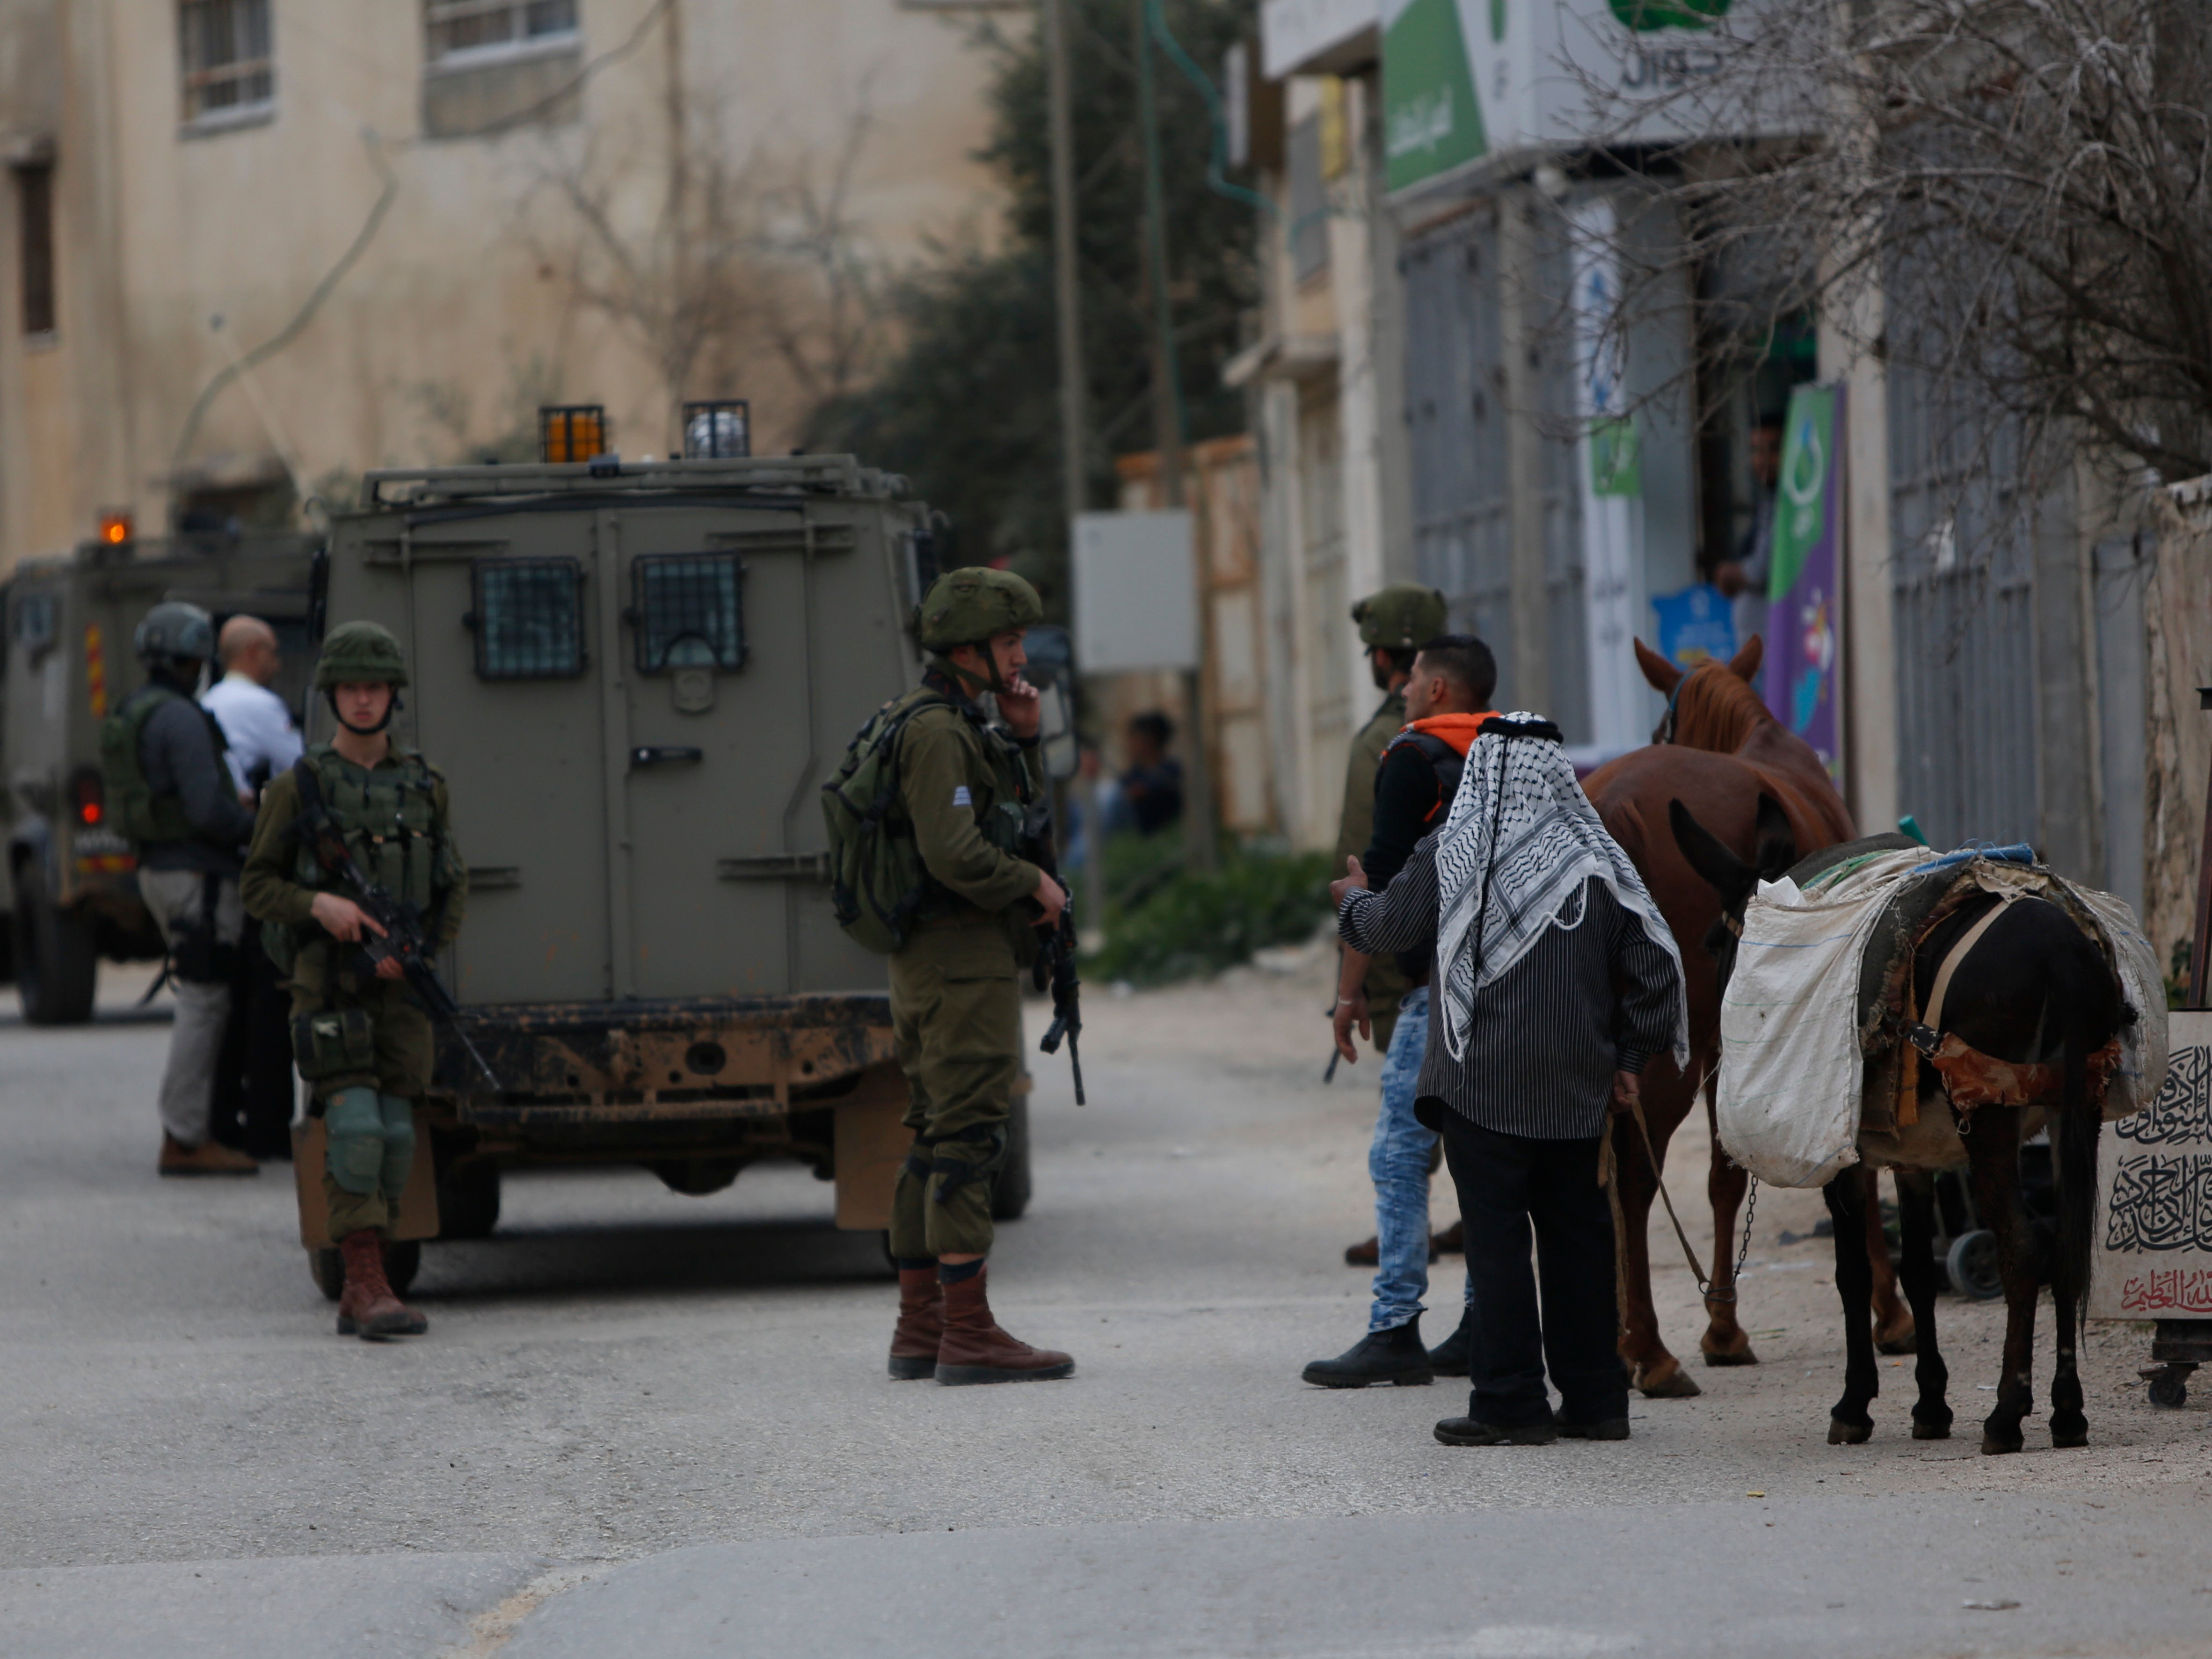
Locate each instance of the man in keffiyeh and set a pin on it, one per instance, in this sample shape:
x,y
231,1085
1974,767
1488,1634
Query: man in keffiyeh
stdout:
x,y
1555,979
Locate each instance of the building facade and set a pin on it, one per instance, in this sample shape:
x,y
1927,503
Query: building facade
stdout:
x,y
256,247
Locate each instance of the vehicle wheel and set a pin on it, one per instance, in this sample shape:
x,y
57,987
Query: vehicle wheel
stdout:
x,y
2170,1387
1010,1193
57,966
402,1261
468,1200
1972,1265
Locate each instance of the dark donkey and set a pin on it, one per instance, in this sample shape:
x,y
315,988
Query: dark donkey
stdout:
x,y
2033,991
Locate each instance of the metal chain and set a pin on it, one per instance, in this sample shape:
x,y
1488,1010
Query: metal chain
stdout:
x,y
1750,1209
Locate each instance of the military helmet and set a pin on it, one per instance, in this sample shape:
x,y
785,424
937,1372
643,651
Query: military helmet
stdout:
x,y
975,603
1403,616
359,653
174,630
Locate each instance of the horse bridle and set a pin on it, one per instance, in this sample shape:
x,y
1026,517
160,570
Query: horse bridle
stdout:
x,y
1673,704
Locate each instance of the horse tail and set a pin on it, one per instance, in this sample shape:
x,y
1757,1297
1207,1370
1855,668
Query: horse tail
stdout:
x,y
2081,1122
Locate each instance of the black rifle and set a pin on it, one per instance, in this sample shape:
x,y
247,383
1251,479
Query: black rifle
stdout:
x,y
402,940
1055,967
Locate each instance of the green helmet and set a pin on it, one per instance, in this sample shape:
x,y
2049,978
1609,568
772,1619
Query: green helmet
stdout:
x,y
1402,616
975,603
358,653
174,631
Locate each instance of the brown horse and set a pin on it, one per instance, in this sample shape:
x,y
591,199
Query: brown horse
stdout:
x,y
1718,750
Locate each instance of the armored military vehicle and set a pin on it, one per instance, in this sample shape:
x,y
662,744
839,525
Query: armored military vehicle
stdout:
x,y
65,659
635,677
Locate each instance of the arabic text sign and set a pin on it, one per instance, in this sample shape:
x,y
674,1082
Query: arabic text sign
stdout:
x,y
2153,1239
1804,619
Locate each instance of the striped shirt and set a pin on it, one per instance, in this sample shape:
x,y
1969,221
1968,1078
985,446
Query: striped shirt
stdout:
x,y
1592,996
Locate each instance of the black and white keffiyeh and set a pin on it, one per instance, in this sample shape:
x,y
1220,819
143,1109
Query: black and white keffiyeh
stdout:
x,y
1511,861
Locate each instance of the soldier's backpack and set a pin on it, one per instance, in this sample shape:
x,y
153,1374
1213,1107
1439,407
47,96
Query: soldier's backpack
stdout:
x,y
877,883
133,811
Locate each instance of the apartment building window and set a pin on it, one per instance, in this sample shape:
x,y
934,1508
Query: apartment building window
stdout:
x,y
1308,227
34,240
229,74
471,30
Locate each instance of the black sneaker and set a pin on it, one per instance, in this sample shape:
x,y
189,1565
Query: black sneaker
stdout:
x,y
1609,1428
1397,1355
1453,1356
1472,1432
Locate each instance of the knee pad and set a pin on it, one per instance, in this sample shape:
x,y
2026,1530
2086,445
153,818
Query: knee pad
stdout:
x,y
398,1115
353,1121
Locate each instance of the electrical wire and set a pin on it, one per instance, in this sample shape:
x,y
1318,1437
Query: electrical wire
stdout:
x,y
1216,164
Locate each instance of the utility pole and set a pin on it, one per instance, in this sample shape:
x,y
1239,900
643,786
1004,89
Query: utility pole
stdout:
x,y
1075,384
1199,848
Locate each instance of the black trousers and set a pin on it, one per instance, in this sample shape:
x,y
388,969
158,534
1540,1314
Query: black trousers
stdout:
x,y
253,1094
1506,1184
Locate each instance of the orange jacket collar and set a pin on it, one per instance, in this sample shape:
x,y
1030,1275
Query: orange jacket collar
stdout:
x,y
1457,730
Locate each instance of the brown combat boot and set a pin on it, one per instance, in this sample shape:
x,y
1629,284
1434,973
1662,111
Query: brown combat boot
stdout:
x,y
367,1308
974,1349
208,1159
921,1325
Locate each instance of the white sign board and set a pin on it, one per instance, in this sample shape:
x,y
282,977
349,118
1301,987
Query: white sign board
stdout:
x,y
1136,599
2154,1240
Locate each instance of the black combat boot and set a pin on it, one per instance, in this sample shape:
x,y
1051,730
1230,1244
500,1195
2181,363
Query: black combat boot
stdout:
x,y
1453,1356
1397,1355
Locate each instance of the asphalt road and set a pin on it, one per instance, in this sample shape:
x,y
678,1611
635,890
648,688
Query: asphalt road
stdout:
x,y
655,1426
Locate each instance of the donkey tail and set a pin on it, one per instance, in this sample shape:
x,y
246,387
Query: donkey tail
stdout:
x,y
2081,1122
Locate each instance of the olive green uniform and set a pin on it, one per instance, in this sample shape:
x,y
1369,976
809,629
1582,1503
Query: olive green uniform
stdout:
x,y
1384,984
956,985
363,1043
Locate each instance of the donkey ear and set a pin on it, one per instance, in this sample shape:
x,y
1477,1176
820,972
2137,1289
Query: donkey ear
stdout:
x,y
1745,663
1662,676
1728,875
1778,842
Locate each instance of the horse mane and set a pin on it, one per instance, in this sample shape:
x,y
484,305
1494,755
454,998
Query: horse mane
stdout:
x,y
1715,710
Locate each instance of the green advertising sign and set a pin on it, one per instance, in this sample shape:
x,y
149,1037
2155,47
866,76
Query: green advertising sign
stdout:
x,y
1801,512
1431,120
1616,457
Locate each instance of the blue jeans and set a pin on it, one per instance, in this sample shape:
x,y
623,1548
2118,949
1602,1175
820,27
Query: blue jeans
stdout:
x,y
1398,1160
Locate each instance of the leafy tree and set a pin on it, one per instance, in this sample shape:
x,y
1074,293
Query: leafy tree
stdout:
x,y
968,409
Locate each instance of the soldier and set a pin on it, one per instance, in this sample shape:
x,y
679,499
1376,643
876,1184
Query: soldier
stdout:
x,y
170,790
965,787
1394,624
360,1040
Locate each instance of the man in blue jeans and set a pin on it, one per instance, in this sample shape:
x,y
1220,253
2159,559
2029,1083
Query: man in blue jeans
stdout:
x,y
1447,700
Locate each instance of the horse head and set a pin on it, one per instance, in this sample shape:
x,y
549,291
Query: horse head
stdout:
x,y
1743,706
1730,877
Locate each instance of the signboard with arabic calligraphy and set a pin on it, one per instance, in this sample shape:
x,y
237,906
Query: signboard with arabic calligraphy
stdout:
x,y
2155,1194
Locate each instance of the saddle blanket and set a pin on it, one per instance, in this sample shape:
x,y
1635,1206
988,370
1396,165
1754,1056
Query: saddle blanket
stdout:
x,y
1807,1057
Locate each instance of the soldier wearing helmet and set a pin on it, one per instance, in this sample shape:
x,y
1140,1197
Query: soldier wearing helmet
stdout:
x,y
965,788
1394,624
360,1039
169,789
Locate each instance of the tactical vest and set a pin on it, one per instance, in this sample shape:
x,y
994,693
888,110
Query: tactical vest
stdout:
x,y
133,809
388,819
878,886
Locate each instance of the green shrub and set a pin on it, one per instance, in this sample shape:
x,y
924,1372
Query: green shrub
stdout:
x,y
1178,926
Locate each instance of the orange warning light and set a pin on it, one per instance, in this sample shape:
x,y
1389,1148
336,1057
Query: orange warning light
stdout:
x,y
115,528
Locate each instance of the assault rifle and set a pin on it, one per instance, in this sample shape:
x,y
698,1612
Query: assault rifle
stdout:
x,y
402,939
1055,967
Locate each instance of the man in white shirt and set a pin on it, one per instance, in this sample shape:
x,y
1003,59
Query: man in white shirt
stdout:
x,y
254,720
253,1079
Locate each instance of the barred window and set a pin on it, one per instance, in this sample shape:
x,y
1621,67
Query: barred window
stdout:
x,y
529,619
38,618
690,611
229,72
468,28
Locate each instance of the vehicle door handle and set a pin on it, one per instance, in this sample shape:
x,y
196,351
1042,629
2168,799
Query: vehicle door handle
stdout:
x,y
649,754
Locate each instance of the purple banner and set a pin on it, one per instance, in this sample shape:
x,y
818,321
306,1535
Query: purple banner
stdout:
x,y
1805,613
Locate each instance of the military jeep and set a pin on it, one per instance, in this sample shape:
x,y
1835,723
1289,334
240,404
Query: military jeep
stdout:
x,y
65,660
635,677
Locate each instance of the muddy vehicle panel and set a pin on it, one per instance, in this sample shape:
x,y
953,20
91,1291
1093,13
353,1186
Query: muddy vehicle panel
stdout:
x,y
72,888
636,679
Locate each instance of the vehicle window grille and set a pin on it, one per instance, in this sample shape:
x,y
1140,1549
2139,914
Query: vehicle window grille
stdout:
x,y
37,620
529,619
690,611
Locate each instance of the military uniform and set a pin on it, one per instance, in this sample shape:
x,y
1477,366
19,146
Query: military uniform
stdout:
x,y
363,1043
1403,616
965,790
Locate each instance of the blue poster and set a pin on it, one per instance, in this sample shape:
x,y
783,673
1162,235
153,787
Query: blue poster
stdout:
x,y
1695,625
